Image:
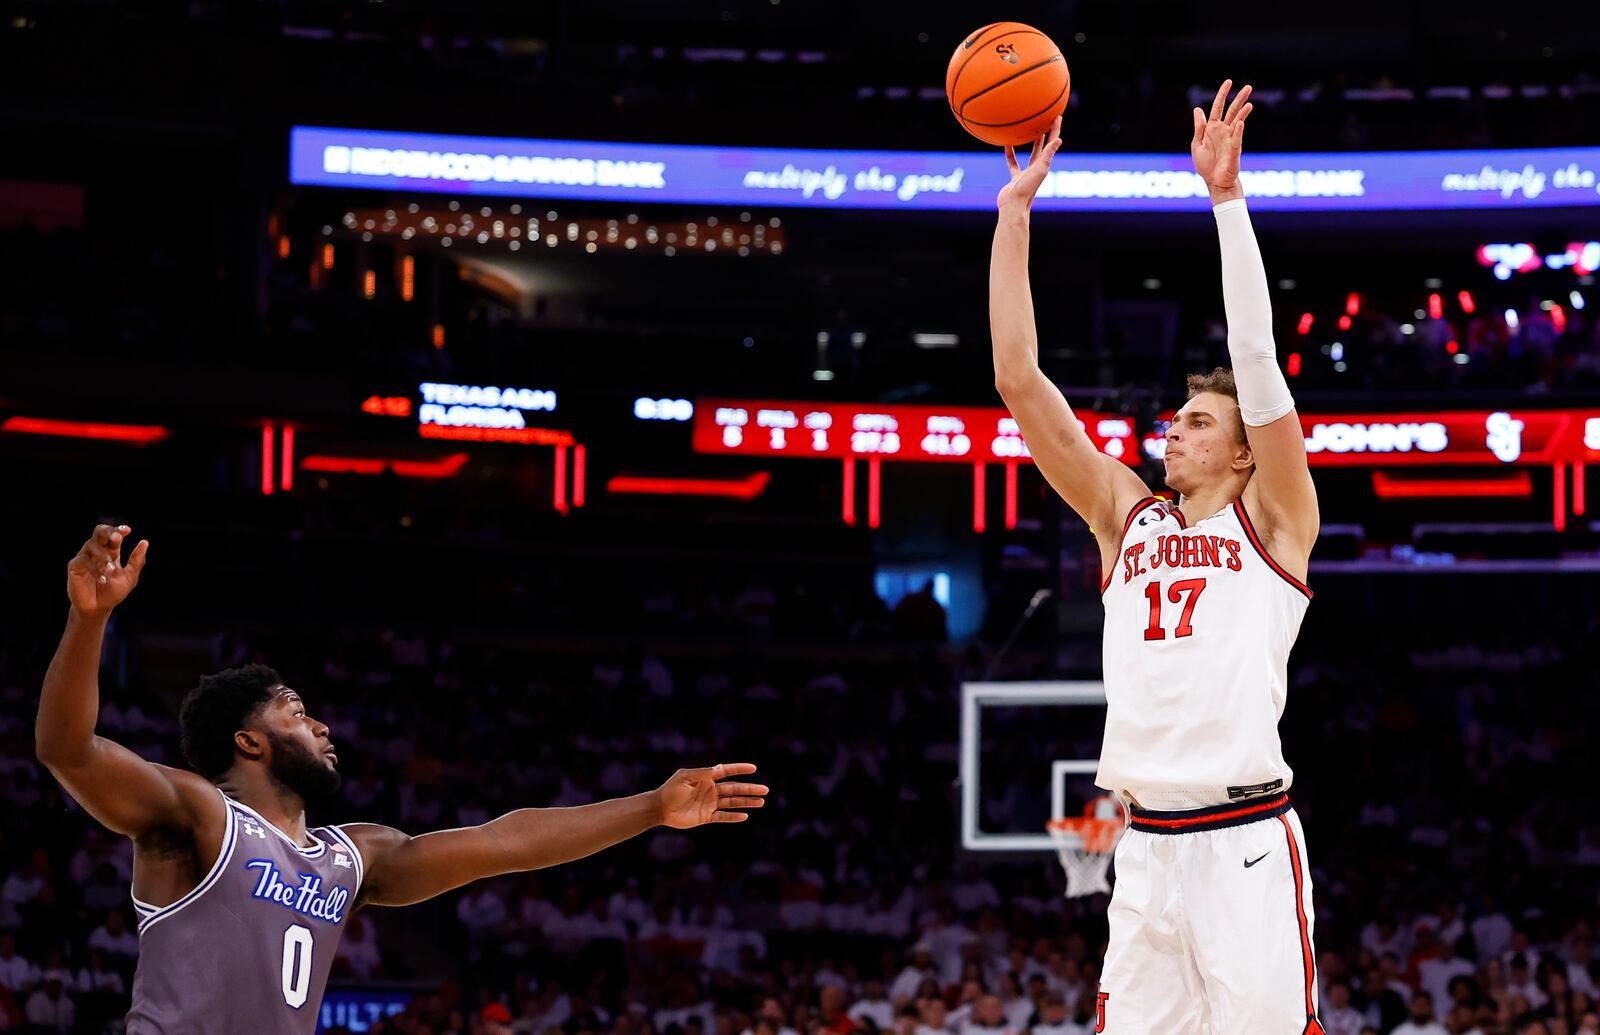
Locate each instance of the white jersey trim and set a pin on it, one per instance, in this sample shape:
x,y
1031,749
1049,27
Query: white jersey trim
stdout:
x,y
1133,514
310,852
230,838
1255,542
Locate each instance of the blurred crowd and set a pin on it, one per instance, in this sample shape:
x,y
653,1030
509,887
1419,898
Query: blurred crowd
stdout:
x,y
1441,779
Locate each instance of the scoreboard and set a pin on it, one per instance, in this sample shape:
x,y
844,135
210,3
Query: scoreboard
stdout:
x,y
940,434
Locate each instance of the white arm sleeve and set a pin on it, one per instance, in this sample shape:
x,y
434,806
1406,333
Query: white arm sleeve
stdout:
x,y
1263,393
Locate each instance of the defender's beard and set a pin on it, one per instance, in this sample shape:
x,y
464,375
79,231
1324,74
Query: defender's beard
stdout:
x,y
301,771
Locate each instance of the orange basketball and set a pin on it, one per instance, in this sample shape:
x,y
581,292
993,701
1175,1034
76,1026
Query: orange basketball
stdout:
x,y
1006,82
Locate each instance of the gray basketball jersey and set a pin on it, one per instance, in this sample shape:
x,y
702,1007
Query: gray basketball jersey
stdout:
x,y
247,952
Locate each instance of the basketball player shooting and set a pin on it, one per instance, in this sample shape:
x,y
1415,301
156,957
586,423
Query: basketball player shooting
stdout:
x,y
1211,919
240,905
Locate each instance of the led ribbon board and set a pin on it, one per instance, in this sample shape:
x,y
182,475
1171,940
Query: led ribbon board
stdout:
x,y
981,434
960,434
1486,437
930,180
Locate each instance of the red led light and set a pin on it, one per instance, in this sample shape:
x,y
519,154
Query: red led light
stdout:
x,y
1011,495
561,480
874,467
1306,319
267,484
1352,305
1344,322
1436,306
579,462
1294,364
1468,306
287,483
132,434
747,488
1561,497
850,492
447,467
1558,316
1452,346
1391,486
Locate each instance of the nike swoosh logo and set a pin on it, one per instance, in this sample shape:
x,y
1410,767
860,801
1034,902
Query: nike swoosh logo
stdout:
x,y
1251,862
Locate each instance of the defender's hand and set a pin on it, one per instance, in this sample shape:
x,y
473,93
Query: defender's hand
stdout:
x,y
1218,141
1025,183
97,580
693,797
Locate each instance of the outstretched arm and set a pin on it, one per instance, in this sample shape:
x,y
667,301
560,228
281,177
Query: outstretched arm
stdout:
x,y
401,869
117,787
1099,488
1286,493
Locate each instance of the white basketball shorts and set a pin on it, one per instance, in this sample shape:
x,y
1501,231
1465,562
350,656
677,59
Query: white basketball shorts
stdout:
x,y
1211,925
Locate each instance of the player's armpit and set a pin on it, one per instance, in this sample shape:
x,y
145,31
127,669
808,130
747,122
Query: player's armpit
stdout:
x,y
1286,497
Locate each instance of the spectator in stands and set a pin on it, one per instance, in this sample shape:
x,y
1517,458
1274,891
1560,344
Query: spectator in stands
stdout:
x,y
50,1009
1421,1021
113,937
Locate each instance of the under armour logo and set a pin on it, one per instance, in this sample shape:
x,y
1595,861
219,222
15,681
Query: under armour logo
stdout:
x,y
250,827
340,859
1008,51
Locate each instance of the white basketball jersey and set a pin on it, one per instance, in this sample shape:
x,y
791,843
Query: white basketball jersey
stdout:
x,y
1199,624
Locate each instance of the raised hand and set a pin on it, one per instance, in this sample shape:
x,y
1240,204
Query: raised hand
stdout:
x,y
693,797
1219,139
97,580
1025,183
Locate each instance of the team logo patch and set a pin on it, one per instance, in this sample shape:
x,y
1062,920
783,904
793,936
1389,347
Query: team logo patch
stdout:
x,y
304,896
340,859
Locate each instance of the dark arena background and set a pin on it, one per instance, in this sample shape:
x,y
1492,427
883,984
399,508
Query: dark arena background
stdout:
x,y
558,394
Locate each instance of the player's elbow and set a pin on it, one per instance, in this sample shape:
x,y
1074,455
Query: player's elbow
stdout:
x,y
1009,381
58,753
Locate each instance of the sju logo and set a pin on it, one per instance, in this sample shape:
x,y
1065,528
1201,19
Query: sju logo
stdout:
x,y
1008,52
306,897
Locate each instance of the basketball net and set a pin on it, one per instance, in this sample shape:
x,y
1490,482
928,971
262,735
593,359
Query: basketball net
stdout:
x,y
1085,843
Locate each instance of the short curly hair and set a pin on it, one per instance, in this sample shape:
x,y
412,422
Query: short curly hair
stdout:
x,y
1221,382
217,709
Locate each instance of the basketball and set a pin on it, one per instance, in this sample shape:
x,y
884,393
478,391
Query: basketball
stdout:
x,y
1006,83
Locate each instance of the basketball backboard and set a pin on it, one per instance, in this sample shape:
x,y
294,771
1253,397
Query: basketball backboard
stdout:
x,y
1014,738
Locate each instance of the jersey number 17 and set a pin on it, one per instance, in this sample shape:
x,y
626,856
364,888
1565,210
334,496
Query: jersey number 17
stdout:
x,y
1184,591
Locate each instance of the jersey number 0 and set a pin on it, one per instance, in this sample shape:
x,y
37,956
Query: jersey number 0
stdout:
x,y
296,965
1175,594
